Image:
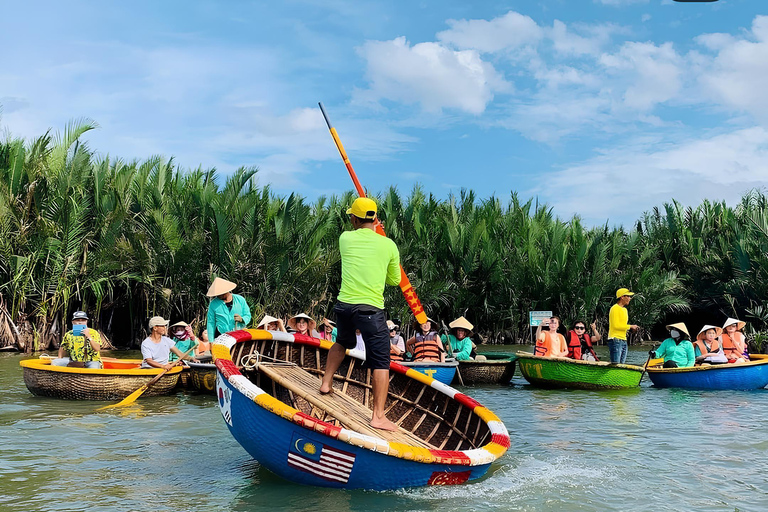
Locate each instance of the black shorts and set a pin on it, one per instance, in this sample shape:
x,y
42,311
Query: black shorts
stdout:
x,y
372,323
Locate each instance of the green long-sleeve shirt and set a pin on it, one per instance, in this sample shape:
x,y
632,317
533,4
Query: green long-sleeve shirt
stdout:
x,y
461,348
221,319
681,353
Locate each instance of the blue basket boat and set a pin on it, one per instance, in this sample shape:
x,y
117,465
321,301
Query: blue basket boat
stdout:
x,y
742,376
267,386
441,372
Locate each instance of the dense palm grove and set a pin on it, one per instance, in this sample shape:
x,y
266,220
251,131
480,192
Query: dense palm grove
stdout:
x,y
128,240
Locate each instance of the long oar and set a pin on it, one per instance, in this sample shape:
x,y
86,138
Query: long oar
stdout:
x,y
136,394
645,366
405,284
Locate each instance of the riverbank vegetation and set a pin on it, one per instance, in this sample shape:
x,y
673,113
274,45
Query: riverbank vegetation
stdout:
x,y
126,240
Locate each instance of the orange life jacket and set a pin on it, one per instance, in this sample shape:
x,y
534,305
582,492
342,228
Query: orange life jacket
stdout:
x,y
427,348
574,345
544,347
703,347
729,347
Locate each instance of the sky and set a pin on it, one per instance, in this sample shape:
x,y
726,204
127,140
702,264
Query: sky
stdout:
x,y
600,108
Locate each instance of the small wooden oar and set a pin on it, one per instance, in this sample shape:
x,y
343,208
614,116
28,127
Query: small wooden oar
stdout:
x,y
645,366
136,394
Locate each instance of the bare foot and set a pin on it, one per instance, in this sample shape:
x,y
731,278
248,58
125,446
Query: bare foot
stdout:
x,y
383,424
325,390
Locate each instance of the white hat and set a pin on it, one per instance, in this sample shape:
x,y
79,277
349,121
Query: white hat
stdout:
x,y
739,324
292,321
392,325
462,323
157,321
268,320
703,332
180,324
220,286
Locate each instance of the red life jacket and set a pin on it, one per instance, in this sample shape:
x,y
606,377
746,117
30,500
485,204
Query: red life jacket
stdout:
x,y
427,348
574,344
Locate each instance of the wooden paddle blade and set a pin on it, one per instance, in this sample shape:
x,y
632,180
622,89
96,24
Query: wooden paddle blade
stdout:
x,y
127,400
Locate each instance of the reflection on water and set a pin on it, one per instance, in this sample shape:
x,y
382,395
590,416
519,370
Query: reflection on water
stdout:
x,y
643,449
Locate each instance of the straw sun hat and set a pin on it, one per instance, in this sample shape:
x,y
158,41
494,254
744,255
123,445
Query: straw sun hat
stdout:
x,y
703,332
293,319
328,323
680,326
739,324
416,324
462,323
268,320
220,286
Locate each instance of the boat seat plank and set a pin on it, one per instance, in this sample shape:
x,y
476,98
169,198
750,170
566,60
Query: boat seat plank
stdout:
x,y
349,412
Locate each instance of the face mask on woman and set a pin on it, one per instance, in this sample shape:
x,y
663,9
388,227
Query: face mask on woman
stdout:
x,y
674,333
181,334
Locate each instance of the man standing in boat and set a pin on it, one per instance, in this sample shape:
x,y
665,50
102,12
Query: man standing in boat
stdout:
x,y
368,262
618,325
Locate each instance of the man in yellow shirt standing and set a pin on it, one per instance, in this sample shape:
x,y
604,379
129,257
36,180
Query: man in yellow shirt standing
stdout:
x,y
618,325
368,262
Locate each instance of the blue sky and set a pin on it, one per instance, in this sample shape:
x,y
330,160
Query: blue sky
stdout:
x,y
602,108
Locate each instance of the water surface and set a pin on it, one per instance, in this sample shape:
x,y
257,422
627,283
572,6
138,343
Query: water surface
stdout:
x,y
644,449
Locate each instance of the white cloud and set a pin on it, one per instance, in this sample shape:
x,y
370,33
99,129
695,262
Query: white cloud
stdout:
x,y
506,32
429,74
618,3
623,182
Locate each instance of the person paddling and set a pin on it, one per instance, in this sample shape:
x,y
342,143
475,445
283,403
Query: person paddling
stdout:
x,y
369,261
676,350
459,341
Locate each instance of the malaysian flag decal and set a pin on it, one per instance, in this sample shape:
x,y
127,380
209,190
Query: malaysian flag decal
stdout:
x,y
321,460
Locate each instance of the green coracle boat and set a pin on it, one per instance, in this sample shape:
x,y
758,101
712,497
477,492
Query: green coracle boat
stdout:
x,y
561,372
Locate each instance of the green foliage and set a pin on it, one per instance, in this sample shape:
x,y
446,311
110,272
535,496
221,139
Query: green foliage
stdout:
x,y
135,239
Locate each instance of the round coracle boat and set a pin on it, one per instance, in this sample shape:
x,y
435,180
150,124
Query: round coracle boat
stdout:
x,y
752,374
118,379
202,378
562,372
268,392
497,368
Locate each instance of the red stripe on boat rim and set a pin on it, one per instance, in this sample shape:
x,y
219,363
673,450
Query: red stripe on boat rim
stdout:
x,y
467,401
451,457
398,367
307,421
240,335
501,439
227,368
303,339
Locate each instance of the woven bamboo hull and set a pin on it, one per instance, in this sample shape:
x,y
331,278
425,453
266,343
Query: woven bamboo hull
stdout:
x,y
441,372
267,387
202,378
561,372
743,376
497,369
42,379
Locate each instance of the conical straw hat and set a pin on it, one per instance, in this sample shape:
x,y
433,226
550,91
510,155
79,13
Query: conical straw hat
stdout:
x,y
292,322
680,326
461,323
702,333
268,320
329,323
220,286
180,324
739,324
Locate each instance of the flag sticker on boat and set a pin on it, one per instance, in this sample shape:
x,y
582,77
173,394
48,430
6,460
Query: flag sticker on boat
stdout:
x,y
319,459
225,399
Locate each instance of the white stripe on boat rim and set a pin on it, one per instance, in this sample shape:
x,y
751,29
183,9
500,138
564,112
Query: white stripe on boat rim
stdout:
x,y
479,456
497,427
444,388
225,339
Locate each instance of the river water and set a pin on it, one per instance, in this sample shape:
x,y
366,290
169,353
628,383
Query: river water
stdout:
x,y
643,449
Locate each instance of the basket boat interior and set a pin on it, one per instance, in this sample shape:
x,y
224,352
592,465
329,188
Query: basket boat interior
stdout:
x,y
426,417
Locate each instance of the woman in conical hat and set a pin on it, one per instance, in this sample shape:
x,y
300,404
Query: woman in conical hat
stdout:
x,y
328,330
459,340
303,324
707,347
270,323
227,311
676,350
733,341
184,339
425,345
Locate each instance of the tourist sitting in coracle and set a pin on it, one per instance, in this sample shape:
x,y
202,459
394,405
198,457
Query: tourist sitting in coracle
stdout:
x,y
733,341
677,350
396,342
549,342
328,330
458,342
707,348
81,344
303,324
580,342
227,311
183,339
157,347
425,345
270,323
203,348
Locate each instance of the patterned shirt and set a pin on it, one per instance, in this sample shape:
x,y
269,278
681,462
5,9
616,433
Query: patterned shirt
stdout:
x,y
78,347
